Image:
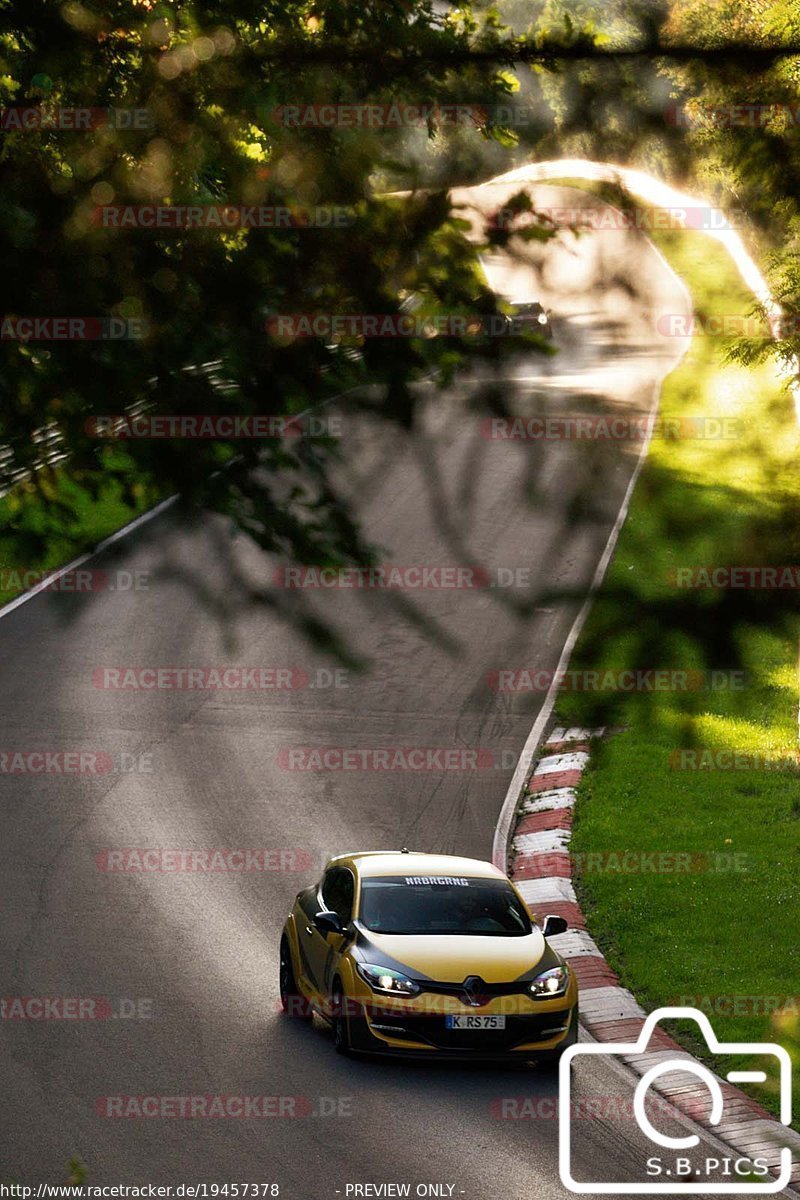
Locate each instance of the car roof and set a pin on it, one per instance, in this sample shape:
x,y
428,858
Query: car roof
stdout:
x,y
395,862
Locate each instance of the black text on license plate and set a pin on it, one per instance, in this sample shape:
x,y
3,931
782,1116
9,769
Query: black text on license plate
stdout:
x,y
465,1021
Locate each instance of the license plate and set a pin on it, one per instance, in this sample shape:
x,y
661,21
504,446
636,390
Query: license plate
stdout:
x,y
469,1022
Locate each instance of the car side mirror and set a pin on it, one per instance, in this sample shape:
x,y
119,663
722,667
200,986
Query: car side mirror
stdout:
x,y
328,922
554,925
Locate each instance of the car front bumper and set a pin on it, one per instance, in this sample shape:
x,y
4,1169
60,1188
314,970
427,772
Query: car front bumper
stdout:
x,y
529,1030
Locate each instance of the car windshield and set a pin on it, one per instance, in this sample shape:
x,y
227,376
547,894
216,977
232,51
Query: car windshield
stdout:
x,y
442,904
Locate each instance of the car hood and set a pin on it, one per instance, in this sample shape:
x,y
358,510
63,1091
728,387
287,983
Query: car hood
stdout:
x,y
449,958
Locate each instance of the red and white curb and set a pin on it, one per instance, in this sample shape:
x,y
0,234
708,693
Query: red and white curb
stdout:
x,y
540,865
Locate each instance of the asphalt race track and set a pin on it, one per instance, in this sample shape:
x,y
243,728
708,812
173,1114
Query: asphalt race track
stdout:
x,y
202,947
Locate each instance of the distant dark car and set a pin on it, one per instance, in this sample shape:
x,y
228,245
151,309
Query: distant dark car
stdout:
x,y
529,316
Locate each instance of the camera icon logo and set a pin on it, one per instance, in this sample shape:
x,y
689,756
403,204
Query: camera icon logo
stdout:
x,y
686,1184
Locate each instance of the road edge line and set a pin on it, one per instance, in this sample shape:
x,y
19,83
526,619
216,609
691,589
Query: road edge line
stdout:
x,y
609,1012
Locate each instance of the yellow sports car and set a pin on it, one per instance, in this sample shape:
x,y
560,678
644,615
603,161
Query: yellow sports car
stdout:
x,y
427,954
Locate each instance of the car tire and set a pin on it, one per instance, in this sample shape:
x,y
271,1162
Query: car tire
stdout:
x,y
293,1002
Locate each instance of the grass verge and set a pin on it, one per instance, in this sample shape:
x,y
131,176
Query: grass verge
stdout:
x,y
708,768
48,521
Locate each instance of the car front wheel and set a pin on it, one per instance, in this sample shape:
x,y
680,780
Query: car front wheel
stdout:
x,y
293,1003
341,1033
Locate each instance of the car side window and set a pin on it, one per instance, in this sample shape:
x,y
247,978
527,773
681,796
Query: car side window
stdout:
x,y
338,892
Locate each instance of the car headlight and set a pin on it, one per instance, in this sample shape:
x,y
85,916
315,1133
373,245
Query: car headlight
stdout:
x,y
553,982
384,979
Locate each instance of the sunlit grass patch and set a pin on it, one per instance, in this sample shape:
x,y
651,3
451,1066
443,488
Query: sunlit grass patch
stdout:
x,y
711,771
44,525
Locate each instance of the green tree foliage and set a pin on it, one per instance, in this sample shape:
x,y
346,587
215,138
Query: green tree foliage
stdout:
x,y
207,80
212,80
